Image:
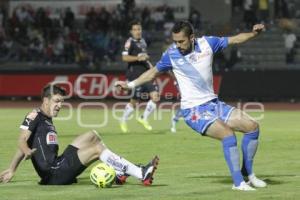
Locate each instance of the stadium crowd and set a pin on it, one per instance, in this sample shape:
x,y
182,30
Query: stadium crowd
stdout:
x,y
34,36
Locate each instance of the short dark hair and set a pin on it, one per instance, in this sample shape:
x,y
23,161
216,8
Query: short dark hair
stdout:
x,y
183,26
134,22
52,89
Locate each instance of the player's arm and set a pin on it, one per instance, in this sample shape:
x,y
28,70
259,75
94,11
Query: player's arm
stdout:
x,y
147,76
138,58
7,175
23,152
243,37
23,146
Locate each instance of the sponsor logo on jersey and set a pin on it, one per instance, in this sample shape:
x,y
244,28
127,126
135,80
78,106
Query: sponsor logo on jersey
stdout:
x,y
51,138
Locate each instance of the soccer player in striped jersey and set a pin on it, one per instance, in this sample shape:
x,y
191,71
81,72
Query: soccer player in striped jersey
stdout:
x,y
191,59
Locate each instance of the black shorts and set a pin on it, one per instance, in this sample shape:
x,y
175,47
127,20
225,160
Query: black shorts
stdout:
x,y
67,168
142,92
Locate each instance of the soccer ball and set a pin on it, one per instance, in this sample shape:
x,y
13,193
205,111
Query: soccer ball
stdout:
x,y
102,175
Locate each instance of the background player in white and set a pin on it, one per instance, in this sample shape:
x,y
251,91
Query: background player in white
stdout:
x,y
177,115
191,59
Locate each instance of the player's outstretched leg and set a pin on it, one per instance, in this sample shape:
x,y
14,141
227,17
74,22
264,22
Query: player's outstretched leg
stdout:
x,y
149,170
147,173
144,173
249,147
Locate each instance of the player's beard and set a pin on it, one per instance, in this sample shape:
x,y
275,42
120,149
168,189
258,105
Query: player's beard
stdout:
x,y
186,51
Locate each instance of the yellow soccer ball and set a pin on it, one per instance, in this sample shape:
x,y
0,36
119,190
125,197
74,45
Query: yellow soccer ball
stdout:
x,y
102,175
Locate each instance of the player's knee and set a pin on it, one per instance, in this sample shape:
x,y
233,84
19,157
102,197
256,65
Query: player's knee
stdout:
x,y
99,148
94,135
252,126
227,131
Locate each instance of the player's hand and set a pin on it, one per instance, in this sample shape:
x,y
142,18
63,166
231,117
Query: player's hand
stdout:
x,y
121,85
28,154
258,28
143,57
6,175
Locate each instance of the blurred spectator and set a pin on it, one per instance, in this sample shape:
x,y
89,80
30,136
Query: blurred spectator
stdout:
x,y
220,61
2,17
289,43
237,5
58,50
48,54
196,19
114,46
69,51
129,6
263,8
103,20
169,14
234,57
11,50
158,17
249,14
83,56
117,24
68,18
33,36
35,49
146,20
168,25
91,19
281,9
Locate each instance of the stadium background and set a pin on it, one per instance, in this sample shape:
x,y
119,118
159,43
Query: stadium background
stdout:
x,y
66,38
43,41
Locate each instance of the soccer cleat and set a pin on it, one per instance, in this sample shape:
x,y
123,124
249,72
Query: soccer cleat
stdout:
x,y
123,126
243,187
256,182
121,178
173,129
145,123
148,171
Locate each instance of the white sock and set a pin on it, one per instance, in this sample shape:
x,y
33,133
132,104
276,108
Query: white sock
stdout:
x,y
174,122
149,109
120,164
128,110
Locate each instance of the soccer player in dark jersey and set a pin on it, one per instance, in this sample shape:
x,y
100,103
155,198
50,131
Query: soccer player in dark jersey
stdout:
x,y
38,141
135,54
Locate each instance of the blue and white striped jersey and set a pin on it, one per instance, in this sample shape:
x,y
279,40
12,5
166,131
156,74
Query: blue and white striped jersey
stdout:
x,y
194,70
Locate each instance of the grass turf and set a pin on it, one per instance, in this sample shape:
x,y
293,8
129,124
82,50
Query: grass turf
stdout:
x,y
191,166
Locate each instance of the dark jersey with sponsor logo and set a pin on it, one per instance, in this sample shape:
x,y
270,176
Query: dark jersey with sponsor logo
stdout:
x,y
44,138
135,47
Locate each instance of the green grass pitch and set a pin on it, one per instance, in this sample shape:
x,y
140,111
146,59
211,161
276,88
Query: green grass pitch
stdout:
x,y
191,166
